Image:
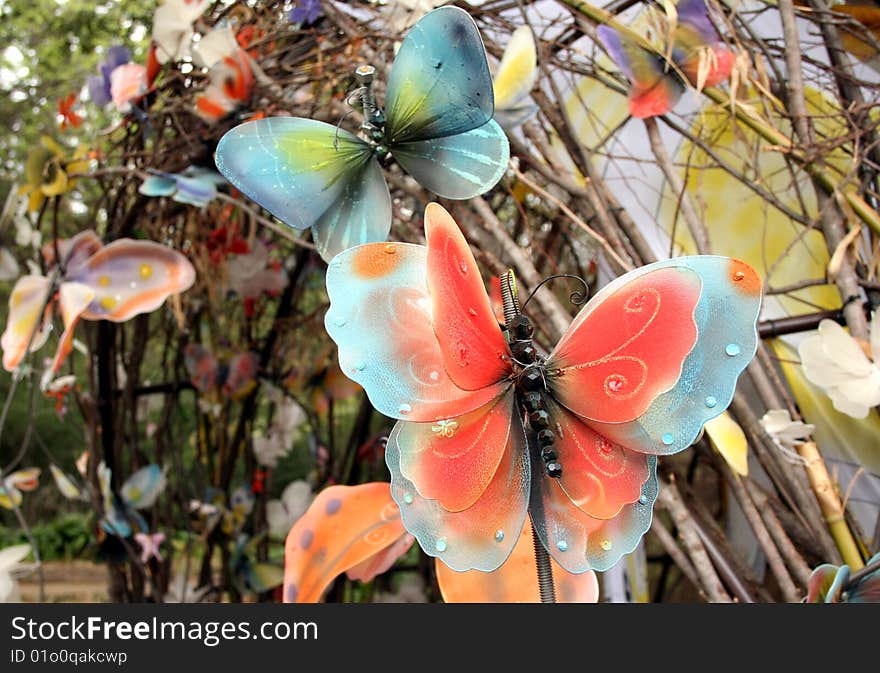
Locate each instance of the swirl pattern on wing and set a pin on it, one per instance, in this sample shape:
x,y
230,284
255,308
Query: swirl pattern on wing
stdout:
x,y
627,345
726,318
579,542
482,536
454,460
600,476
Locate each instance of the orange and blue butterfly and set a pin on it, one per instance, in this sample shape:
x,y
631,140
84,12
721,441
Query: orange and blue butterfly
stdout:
x,y
491,432
656,84
437,124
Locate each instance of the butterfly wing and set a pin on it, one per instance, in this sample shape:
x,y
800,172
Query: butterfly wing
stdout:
x,y
695,34
579,542
142,488
130,277
475,353
310,174
517,72
509,584
201,365
440,83
699,314
482,536
600,476
653,90
380,317
344,527
27,299
242,375
459,166
65,484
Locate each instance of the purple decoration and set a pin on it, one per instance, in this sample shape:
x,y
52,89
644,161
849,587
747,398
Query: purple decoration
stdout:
x,y
306,12
99,85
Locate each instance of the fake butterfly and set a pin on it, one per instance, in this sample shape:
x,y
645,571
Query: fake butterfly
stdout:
x,y
490,431
437,125
13,484
114,282
235,378
655,84
231,85
516,75
139,491
834,584
66,485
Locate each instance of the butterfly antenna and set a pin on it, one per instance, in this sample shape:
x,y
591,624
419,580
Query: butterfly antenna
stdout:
x,y
338,126
577,297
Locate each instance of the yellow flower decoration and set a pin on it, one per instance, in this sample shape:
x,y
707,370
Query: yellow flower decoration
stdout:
x,y
47,171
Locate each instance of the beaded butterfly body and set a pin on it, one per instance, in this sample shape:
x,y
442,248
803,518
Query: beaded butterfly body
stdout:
x,y
656,84
437,125
643,366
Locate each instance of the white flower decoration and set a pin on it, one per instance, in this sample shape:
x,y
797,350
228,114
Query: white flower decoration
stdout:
x,y
835,362
786,432
10,565
282,514
282,432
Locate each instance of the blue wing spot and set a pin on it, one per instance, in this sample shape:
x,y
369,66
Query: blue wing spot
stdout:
x,y
562,545
408,498
333,506
404,408
306,540
440,545
499,535
667,438
732,350
711,402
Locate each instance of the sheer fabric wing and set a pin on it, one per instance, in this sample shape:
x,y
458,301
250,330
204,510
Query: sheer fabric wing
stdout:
x,y
518,70
579,542
725,316
440,83
599,476
482,536
475,353
458,166
308,173
380,317
627,345
653,91
454,460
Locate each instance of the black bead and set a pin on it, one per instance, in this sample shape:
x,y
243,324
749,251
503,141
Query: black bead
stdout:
x,y
532,380
554,470
521,328
539,419
524,352
533,401
548,455
546,438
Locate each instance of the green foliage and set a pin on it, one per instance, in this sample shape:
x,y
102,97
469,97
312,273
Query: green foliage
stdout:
x,y
50,48
65,537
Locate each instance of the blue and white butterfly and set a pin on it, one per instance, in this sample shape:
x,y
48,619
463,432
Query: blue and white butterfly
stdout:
x,y
437,124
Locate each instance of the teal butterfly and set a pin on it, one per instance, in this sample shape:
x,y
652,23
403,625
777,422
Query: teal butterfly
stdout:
x,y
437,125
